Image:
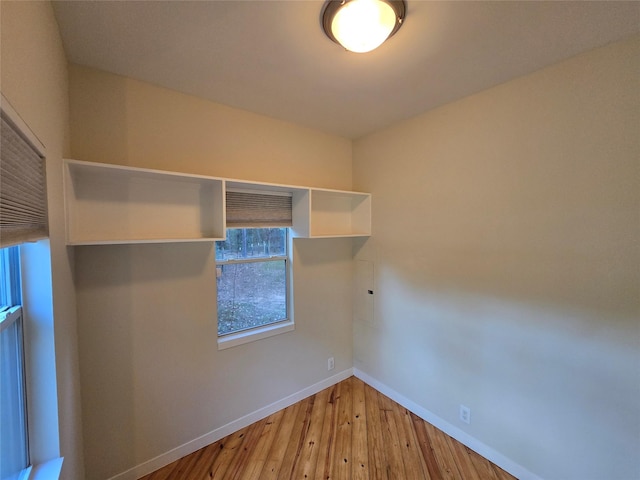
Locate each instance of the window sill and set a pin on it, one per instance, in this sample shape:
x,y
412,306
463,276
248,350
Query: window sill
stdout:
x,y
252,335
44,471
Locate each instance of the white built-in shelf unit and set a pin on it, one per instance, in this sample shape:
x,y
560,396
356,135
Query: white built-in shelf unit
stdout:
x,y
112,204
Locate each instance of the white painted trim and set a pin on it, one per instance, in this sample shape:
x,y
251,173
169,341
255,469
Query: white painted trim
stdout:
x,y
47,471
44,471
474,444
259,191
254,334
14,117
215,435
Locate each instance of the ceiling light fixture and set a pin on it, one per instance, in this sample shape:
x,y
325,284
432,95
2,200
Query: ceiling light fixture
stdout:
x,y
362,25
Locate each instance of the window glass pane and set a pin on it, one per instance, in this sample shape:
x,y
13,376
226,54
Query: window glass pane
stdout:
x,y
252,243
14,454
251,295
10,290
13,432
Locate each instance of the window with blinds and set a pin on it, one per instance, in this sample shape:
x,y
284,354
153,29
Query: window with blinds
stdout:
x,y
23,198
258,209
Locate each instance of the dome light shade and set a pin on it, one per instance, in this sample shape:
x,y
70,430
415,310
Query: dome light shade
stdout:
x,y
362,25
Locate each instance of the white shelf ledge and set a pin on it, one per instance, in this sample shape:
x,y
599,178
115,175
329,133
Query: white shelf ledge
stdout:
x,y
114,204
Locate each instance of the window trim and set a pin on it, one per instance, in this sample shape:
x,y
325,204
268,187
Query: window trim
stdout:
x,y
44,471
21,126
41,375
9,316
253,334
241,337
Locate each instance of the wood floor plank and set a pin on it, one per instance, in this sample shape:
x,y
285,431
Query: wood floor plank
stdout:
x,y
502,475
229,446
342,455
359,450
300,428
202,468
163,473
483,466
444,457
395,465
414,464
258,457
346,432
464,463
306,465
183,466
277,452
238,464
426,448
376,448
327,439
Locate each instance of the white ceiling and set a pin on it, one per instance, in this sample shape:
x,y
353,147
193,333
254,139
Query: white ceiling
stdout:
x,y
272,57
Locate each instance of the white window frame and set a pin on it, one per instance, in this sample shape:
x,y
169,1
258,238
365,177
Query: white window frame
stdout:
x,y
36,292
10,316
257,333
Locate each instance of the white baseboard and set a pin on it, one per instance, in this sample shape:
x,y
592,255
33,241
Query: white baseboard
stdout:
x,y
221,432
171,456
474,444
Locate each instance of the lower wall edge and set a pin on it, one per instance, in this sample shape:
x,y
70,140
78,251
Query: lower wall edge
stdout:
x,y
221,432
172,455
474,444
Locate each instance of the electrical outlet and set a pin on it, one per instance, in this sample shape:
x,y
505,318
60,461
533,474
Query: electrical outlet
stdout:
x,y
465,414
330,363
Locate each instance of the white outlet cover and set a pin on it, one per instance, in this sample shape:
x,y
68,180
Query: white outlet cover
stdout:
x,y
465,414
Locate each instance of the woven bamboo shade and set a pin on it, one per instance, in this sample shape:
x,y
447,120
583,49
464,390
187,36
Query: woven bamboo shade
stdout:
x,y
258,210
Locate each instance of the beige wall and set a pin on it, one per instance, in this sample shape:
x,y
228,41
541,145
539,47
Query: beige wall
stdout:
x,y
506,256
34,80
152,377
120,120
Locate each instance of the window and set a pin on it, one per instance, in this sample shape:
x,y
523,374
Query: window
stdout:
x,y
252,270
14,451
25,280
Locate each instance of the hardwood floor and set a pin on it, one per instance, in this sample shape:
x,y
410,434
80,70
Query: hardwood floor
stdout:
x,y
346,432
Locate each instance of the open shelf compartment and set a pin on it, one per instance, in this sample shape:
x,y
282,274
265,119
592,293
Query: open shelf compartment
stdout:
x,y
335,213
108,204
